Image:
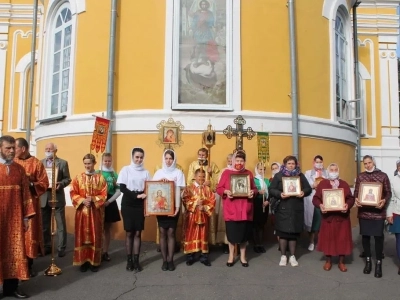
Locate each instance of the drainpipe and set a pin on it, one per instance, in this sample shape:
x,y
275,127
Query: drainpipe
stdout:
x,y
293,79
111,72
32,74
357,86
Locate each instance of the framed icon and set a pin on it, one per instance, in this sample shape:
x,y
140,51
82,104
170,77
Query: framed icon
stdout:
x,y
370,193
49,173
291,186
240,185
160,198
333,199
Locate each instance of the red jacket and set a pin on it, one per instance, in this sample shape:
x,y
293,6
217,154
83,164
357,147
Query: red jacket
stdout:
x,y
237,208
370,212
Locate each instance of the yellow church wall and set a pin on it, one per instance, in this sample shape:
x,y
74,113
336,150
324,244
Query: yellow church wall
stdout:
x,y
73,149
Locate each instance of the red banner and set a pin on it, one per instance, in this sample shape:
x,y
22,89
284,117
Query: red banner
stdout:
x,y
100,134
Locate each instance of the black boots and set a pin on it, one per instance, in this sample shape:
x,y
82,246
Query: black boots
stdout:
x,y
368,266
129,264
136,265
378,269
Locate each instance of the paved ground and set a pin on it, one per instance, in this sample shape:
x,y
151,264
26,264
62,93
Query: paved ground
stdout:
x,y
264,279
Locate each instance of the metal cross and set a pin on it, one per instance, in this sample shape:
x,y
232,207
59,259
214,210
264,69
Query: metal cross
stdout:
x,y
239,132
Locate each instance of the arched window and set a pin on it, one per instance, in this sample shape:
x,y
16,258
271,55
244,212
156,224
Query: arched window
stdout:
x,y
61,60
58,58
342,67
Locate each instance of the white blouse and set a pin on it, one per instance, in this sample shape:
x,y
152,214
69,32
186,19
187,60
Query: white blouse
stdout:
x,y
394,204
133,179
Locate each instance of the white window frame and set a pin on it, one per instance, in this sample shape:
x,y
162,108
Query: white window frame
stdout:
x,y
46,89
233,63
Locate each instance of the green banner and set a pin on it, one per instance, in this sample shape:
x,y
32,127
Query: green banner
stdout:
x,y
263,146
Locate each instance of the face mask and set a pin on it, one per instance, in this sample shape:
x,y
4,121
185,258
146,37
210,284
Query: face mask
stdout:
x,y
333,175
107,169
370,171
49,154
275,172
238,167
318,166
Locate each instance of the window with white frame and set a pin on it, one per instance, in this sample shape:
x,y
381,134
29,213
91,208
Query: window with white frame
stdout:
x,y
59,70
342,64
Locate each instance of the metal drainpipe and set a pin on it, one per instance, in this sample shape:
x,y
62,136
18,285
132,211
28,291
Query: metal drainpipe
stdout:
x,y
111,71
293,78
32,75
357,86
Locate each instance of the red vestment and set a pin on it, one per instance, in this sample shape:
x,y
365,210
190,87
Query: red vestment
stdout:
x,y
335,232
36,173
196,221
15,205
89,222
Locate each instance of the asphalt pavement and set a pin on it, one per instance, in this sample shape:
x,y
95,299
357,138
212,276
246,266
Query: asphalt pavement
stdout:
x,y
263,279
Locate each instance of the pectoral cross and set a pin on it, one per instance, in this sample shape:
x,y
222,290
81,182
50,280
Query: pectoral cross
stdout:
x,y
239,132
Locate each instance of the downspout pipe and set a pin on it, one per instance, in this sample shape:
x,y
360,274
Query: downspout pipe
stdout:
x,y
32,74
293,78
111,72
357,86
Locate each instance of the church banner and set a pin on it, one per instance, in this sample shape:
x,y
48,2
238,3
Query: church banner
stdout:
x,y
263,146
100,134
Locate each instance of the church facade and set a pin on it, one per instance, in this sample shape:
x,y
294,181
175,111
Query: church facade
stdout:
x,y
201,62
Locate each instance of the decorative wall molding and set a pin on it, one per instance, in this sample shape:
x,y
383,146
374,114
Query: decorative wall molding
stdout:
x,y
330,8
145,121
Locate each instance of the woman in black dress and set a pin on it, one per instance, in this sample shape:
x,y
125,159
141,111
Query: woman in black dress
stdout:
x,y
131,180
290,211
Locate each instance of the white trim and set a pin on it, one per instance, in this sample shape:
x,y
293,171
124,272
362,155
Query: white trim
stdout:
x,y
22,67
384,87
3,58
145,121
45,104
233,63
76,6
385,157
330,8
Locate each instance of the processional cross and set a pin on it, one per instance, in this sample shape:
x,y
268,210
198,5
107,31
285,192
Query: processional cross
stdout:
x,y
239,132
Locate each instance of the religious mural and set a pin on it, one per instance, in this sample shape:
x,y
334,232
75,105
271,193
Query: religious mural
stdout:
x,y
202,52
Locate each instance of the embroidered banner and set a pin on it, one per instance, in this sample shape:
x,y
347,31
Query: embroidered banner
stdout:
x,y
100,133
263,146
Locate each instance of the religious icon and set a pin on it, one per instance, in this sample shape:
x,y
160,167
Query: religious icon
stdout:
x,y
50,176
240,185
291,185
333,199
370,193
160,198
169,133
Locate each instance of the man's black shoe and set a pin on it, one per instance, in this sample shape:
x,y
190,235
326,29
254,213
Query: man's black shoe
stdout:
x,y
206,263
32,273
61,253
18,294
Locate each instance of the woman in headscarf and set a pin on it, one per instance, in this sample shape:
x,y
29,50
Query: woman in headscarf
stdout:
x,y
261,211
167,224
273,202
393,211
372,219
312,214
335,234
131,180
290,211
238,210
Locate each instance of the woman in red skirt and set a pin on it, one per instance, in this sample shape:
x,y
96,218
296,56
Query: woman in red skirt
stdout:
x,y
335,234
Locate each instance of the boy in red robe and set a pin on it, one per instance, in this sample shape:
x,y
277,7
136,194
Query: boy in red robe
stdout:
x,y
199,202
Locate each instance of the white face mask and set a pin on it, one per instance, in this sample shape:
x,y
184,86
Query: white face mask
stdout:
x,y
319,166
49,154
370,171
104,168
333,175
275,171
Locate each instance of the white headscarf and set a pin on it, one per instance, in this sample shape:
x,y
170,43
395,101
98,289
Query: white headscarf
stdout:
x,y
133,166
260,177
279,167
171,168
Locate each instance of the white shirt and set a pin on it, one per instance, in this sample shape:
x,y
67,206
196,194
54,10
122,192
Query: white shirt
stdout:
x,y
133,179
394,204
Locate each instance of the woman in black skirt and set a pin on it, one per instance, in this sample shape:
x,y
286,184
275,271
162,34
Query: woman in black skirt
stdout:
x,y
111,214
372,218
290,211
167,224
131,180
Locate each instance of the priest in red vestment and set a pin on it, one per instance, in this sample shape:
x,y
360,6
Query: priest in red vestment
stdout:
x,y
38,184
88,194
199,202
16,207
335,233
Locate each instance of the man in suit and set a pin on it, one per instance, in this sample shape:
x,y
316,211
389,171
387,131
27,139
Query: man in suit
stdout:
x,y
63,180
